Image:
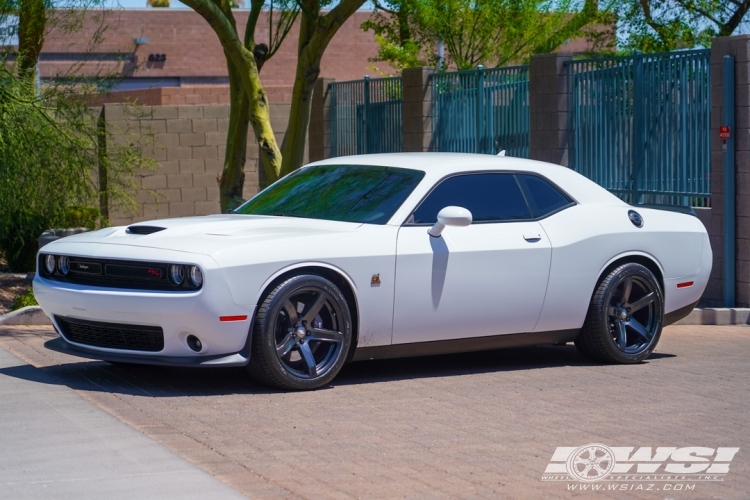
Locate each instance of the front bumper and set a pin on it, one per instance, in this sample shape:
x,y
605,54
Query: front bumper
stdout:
x,y
179,314
61,345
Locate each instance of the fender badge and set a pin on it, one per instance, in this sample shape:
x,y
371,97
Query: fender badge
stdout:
x,y
375,281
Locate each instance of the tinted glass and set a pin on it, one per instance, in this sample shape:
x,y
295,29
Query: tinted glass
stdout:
x,y
489,197
543,197
349,193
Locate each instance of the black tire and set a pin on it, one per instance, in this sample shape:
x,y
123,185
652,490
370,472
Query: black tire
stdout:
x,y
315,343
618,311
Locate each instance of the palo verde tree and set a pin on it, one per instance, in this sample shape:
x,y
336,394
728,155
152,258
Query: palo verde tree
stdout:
x,y
51,159
489,32
663,25
248,101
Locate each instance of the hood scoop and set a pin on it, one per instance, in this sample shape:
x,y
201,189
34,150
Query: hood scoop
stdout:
x,y
144,229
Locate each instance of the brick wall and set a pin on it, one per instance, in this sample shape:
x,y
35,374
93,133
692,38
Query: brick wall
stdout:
x,y
739,47
189,145
188,94
192,49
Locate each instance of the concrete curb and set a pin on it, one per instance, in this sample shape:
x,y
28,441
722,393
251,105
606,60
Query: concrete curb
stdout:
x,y
29,315
717,316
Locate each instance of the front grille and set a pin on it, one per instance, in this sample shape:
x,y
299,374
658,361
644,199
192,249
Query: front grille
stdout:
x,y
112,335
117,274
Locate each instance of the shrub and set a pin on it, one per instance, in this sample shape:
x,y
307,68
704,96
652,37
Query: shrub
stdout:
x,y
23,300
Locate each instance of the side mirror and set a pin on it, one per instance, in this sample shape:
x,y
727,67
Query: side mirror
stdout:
x,y
450,216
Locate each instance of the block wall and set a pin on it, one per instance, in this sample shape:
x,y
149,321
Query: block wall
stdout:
x,y
189,146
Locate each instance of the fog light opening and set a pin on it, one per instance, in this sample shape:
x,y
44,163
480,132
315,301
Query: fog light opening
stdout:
x,y
194,343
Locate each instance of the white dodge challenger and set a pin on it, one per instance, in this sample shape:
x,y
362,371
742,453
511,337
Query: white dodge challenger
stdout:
x,y
379,256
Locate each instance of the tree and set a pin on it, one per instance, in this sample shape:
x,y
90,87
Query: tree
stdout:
x,y
316,32
489,32
51,162
663,25
248,100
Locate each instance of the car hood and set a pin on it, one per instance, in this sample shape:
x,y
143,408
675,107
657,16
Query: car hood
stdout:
x,y
211,234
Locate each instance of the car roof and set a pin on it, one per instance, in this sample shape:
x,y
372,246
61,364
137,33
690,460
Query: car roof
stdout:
x,y
439,165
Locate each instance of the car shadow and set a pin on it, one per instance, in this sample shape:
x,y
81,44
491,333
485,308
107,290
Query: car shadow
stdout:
x,y
159,381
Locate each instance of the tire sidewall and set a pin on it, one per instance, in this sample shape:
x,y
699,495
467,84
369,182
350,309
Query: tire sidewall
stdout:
x,y
267,330
612,282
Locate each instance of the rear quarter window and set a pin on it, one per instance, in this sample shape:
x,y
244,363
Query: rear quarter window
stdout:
x,y
543,197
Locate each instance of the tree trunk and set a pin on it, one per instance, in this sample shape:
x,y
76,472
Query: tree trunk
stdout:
x,y
233,173
32,25
293,147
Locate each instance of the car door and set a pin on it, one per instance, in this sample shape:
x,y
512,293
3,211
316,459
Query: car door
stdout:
x,y
485,279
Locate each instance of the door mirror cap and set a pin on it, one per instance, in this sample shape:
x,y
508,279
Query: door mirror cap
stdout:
x,y
450,216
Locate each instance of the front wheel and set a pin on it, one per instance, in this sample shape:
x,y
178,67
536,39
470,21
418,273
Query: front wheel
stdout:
x,y
625,317
302,334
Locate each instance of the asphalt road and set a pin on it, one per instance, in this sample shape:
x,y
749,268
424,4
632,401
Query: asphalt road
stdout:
x,y
482,425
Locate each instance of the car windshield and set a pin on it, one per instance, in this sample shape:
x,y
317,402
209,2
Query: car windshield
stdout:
x,y
348,193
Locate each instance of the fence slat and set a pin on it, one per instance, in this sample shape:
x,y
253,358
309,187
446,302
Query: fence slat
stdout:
x,y
640,125
481,111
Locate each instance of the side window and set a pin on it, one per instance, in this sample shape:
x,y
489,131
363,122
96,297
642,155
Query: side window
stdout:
x,y
489,198
543,197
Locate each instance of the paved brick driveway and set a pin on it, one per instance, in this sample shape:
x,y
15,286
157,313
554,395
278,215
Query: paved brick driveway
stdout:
x,y
478,425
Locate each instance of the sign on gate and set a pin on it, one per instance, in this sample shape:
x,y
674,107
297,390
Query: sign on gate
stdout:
x,y
725,132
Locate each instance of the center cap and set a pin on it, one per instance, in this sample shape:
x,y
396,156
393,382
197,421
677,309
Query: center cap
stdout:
x,y
300,331
623,314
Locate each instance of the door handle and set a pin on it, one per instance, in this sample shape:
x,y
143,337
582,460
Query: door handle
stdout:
x,y
532,236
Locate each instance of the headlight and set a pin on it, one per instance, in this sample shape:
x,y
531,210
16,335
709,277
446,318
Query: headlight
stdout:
x,y
49,264
63,265
176,274
195,276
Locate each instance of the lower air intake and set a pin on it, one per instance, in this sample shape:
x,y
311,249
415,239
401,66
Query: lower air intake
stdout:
x,y
112,335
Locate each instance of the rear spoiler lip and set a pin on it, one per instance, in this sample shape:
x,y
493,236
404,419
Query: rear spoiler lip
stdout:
x,y
669,208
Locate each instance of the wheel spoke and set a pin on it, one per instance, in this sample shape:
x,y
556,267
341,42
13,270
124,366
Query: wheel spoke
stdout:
x,y
642,302
291,312
309,359
622,335
639,329
315,307
285,346
324,335
627,286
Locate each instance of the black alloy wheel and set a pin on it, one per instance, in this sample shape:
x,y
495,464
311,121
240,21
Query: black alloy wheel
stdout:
x,y
625,317
302,334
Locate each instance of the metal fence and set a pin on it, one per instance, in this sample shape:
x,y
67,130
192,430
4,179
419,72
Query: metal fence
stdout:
x,y
640,125
366,116
481,111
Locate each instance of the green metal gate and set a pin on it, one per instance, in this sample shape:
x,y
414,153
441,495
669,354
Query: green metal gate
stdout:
x,y
366,116
481,111
640,125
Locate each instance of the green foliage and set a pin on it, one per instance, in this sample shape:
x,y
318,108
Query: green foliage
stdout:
x,y
88,217
54,160
24,300
664,25
488,32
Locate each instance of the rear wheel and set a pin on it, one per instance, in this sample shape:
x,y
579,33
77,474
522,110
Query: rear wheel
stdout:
x,y
625,317
302,334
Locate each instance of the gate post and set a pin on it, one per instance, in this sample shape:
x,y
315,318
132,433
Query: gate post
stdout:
x,y
730,251
322,144
548,103
417,109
